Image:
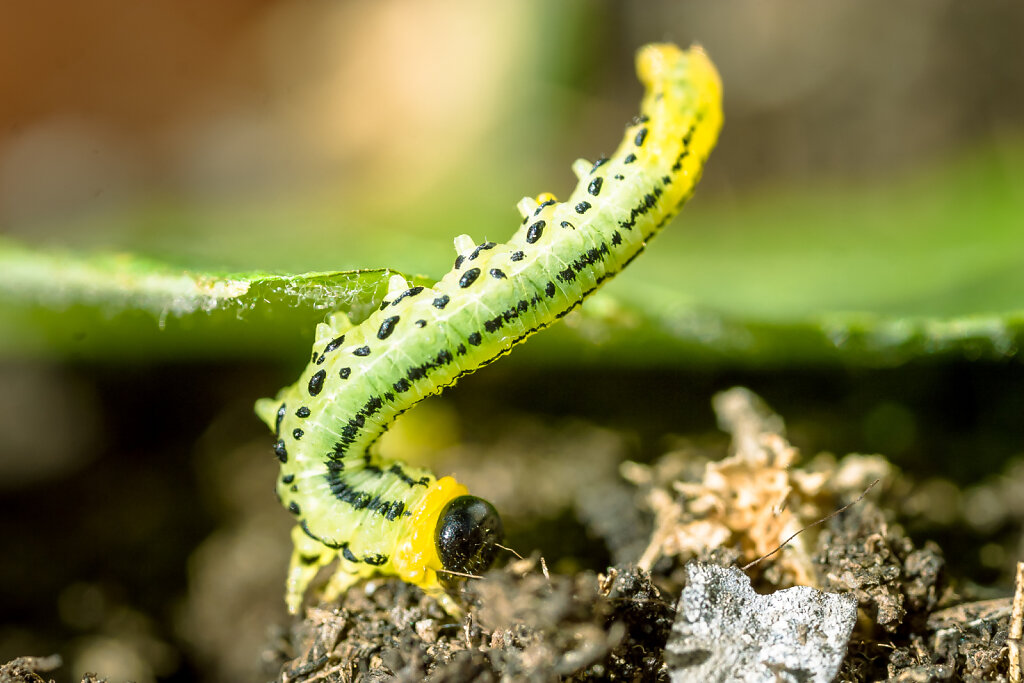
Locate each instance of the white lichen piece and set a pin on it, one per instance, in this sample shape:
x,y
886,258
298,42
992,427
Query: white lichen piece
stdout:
x,y
724,631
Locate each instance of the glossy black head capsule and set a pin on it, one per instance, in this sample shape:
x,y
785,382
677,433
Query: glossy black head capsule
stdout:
x,y
467,531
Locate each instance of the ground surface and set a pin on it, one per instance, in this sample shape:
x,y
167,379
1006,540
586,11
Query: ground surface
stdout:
x,y
596,598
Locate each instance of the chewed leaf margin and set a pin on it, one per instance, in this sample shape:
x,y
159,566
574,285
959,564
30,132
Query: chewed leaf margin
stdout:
x,y
104,305
118,282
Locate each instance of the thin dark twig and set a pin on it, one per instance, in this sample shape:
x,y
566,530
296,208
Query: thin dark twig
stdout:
x,y
462,574
812,524
498,545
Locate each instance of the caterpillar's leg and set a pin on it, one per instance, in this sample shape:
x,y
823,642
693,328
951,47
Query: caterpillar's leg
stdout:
x,y
308,557
266,410
448,603
341,580
337,323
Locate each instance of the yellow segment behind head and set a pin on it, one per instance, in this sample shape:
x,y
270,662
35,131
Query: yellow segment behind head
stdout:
x,y
416,559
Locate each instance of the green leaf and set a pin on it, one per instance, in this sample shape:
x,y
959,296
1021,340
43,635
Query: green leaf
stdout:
x,y
118,306
931,263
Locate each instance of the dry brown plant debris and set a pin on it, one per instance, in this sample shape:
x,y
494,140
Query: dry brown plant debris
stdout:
x,y
753,500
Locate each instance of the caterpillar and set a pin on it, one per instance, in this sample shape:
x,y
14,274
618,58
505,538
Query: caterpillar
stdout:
x,y
385,517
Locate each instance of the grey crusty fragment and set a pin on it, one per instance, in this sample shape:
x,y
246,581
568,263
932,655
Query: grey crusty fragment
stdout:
x,y
724,631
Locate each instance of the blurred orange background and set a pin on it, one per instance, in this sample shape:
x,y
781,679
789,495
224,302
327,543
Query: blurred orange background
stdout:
x,y
108,104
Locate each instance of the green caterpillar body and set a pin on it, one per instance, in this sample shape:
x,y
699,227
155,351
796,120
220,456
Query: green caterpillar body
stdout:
x,y
390,518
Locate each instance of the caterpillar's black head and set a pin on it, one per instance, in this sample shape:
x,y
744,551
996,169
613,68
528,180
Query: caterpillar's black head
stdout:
x,y
466,534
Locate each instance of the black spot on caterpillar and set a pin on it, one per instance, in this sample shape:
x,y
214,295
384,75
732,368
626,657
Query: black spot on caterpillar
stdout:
x,y
380,517
469,277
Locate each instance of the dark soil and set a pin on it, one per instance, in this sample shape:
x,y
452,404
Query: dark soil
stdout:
x,y
555,616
